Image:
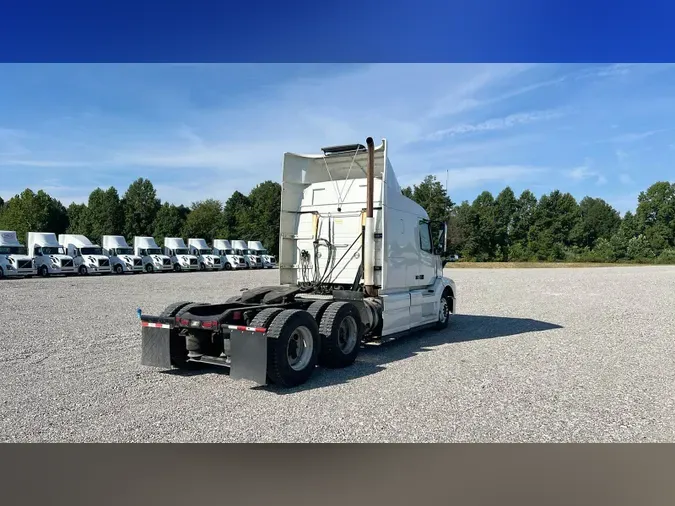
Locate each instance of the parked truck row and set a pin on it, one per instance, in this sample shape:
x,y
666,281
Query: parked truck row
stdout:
x,y
45,255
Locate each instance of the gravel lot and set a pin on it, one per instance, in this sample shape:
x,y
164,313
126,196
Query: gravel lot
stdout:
x,y
540,355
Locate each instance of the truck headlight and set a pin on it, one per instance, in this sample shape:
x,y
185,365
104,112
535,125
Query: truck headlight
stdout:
x,y
10,267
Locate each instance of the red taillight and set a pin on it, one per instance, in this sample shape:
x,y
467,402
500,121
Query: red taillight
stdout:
x,y
236,315
209,325
182,322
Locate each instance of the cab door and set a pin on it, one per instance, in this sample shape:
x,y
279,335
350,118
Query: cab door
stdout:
x,y
426,268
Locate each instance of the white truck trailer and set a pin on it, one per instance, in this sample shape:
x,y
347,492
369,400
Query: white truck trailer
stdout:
x,y
88,257
153,258
14,260
228,259
358,263
122,258
50,257
208,260
267,261
181,258
241,248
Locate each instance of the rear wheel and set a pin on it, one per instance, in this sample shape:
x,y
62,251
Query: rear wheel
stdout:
x,y
341,332
293,344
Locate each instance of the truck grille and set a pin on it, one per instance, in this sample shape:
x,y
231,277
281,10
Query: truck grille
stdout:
x,y
66,263
193,261
104,263
25,264
216,261
138,261
242,261
166,261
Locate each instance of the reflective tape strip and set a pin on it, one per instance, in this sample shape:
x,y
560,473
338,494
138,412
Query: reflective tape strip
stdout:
x,y
156,325
250,329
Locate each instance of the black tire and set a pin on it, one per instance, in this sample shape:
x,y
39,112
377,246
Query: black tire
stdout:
x,y
202,267
2,273
341,333
227,266
118,269
317,309
446,305
178,358
281,335
265,317
82,270
44,271
177,268
149,268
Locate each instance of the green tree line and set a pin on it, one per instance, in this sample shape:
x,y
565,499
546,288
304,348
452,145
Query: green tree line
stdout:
x,y
554,227
139,212
506,227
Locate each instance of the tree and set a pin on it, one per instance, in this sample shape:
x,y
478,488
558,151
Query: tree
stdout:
x,y
236,216
34,212
140,206
78,219
597,220
264,206
169,221
105,215
485,223
505,214
205,220
523,220
431,195
554,218
655,215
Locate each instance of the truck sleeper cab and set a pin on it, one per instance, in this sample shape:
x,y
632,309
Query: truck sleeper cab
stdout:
x,y
359,263
181,258
208,260
266,260
228,259
49,256
88,257
14,260
151,254
122,258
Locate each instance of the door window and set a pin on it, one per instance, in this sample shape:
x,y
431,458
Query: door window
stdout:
x,y
425,237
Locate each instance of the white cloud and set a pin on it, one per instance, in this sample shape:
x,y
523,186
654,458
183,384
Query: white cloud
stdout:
x,y
584,172
510,121
634,136
472,177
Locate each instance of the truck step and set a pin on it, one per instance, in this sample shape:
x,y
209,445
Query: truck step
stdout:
x,y
206,359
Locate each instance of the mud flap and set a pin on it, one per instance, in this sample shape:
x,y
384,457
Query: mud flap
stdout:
x,y
156,346
248,351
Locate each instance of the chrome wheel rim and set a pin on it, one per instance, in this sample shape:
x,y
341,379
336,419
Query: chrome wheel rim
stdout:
x,y
444,312
347,335
300,348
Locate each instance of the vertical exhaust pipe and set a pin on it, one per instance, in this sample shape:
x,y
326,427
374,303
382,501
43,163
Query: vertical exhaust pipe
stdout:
x,y
369,232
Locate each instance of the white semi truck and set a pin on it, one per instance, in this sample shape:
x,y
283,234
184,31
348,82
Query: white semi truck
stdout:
x,y
181,258
241,248
153,258
228,259
50,257
208,260
14,260
88,257
122,258
256,248
359,262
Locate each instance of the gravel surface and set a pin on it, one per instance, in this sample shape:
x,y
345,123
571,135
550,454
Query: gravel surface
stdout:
x,y
583,355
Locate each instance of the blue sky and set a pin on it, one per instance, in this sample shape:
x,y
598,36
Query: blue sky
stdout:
x,y
205,130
